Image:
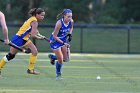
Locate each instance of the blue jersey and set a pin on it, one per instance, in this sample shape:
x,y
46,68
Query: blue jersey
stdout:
x,y
64,29
62,34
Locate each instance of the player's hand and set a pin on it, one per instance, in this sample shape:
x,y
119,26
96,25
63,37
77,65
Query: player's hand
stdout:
x,y
69,36
67,45
6,41
42,37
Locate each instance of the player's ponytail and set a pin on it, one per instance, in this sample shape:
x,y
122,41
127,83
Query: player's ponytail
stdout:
x,y
61,15
35,11
32,12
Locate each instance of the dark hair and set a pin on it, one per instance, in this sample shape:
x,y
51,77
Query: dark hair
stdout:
x,y
61,15
35,11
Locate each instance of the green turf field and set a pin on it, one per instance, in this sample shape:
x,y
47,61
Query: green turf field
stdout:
x,y
119,74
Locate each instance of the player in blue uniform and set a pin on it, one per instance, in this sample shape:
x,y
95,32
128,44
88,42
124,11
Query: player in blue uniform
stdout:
x,y
62,30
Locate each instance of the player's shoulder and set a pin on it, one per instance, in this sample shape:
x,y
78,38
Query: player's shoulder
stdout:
x,y
58,23
1,14
33,18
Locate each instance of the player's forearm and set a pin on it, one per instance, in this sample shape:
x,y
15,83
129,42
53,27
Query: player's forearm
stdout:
x,y
57,39
5,33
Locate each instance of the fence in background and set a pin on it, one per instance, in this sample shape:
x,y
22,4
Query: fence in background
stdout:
x,y
131,37
93,38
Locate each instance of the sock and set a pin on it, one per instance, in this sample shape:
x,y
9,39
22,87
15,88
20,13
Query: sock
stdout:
x,y
32,62
58,68
54,57
2,63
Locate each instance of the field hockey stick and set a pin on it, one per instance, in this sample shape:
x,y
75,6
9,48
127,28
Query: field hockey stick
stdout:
x,y
47,39
68,50
18,48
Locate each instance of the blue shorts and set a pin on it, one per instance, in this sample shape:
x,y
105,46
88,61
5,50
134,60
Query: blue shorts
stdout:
x,y
55,44
17,40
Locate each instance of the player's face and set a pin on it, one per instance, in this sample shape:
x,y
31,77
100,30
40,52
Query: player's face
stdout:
x,y
68,17
40,16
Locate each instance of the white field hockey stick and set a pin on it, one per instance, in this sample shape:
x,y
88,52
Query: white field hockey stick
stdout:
x,y
68,51
18,48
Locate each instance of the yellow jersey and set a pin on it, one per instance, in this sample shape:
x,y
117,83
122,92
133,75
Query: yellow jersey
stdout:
x,y
25,29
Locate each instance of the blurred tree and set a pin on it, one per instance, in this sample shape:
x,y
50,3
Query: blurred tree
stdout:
x,y
108,11
131,11
84,11
80,8
118,12
17,10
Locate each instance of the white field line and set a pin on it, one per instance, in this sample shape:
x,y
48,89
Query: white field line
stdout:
x,y
88,55
21,90
13,90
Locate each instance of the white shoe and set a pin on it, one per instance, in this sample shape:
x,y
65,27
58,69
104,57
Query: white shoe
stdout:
x,y
59,78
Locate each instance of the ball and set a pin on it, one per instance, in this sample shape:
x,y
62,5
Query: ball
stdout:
x,y
98,77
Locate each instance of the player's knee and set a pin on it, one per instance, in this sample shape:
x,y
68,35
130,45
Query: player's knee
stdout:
x,y
9,57
59,58
35,53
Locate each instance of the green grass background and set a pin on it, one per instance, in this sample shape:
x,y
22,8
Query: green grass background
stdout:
x,y
119,74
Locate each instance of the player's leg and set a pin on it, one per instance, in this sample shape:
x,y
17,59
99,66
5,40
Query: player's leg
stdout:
x,y
53,45
33,58
66,54
7,58
52,58
59,63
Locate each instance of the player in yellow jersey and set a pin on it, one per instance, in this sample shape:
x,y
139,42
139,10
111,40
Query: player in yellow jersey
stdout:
x,y
21,39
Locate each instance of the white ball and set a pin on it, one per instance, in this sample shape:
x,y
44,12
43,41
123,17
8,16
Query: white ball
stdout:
x,y
98,77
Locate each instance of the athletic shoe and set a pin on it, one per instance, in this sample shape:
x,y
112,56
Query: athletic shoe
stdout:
x,y
52,61
59,77
32,72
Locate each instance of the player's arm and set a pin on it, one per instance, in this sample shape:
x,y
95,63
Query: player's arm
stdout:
x,y
35,32
71,29
56,30
4,27
69,35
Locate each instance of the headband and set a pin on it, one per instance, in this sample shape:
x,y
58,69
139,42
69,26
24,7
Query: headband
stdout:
x,y
67,11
